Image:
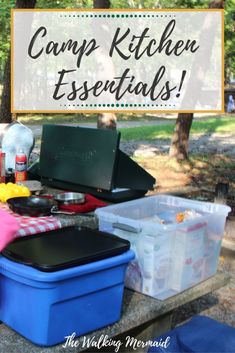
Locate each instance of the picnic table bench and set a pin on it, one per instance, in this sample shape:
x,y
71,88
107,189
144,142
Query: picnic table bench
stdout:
x,y
142,317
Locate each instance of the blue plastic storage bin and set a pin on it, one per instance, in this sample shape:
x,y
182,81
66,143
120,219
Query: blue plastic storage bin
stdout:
x,y
45,307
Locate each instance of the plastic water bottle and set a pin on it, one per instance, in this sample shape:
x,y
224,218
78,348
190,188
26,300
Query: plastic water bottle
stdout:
x,y
21,166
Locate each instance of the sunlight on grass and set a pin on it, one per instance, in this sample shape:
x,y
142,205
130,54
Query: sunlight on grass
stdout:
x,y
148,133
225,124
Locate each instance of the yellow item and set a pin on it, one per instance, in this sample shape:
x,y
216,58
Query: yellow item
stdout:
x,y
10,190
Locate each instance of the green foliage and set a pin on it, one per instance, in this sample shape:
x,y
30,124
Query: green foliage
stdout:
x,y
183,4
134,4
5,23
229,39
64,4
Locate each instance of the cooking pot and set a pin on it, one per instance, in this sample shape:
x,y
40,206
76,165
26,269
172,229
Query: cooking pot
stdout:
x,y
69,198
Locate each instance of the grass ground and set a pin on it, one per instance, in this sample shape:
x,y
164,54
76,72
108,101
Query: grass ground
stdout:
x,y
219,124
37,119
222,124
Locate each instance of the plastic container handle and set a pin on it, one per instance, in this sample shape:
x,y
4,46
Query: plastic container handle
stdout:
x,y
126,227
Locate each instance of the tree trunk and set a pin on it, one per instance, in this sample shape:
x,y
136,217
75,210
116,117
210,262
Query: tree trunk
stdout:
x,y
105,120
25,4
180,139
216,4
5,108
101,4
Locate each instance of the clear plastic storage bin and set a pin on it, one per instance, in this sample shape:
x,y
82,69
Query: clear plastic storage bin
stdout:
x,y
170,256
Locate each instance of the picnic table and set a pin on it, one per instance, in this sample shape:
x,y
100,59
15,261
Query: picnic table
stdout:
x,y
143,317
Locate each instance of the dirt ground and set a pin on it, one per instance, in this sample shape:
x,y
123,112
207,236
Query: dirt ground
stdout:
x,y
200,171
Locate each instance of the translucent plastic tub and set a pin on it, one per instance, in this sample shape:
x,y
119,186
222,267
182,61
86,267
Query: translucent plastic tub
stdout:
x,y
170,257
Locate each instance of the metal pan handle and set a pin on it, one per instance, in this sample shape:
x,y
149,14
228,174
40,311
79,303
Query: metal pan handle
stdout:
x,y
54,210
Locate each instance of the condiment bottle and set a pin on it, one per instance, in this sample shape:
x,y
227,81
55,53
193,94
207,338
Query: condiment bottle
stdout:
x,y
21,166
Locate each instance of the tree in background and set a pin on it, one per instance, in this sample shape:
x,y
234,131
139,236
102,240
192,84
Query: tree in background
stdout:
x,y
105,120
5,108
180,139
229,44
5,22
101,4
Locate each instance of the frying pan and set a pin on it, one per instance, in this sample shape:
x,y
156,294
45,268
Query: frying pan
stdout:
x,y
30,206
34,206
38,207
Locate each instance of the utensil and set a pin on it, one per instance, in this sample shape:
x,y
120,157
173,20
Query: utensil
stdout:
x,y
56,210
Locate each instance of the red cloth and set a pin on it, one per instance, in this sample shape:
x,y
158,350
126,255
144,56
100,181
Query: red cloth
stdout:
x,y
90,204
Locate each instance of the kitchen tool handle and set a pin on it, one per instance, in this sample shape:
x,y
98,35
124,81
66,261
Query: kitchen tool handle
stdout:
x,y
55,210
126,227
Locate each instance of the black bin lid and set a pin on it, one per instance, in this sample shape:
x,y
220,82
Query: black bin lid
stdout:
x,y
64,248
